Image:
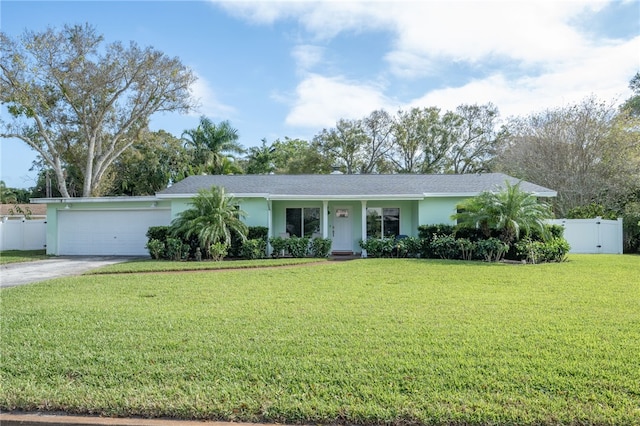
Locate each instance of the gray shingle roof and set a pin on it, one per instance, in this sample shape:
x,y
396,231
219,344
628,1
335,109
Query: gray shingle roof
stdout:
x,y
356,186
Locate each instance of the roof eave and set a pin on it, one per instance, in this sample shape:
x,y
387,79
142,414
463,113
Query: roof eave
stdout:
x,y
124,199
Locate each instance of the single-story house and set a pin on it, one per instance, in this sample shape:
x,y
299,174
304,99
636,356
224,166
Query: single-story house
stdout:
x,y
344,208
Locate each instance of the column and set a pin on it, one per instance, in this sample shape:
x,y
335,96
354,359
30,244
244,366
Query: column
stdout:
x,y
364,225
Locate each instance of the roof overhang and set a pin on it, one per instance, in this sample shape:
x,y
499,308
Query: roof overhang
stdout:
x,y
77,200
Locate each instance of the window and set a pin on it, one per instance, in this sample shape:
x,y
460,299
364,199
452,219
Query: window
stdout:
x,y
303,222
383,222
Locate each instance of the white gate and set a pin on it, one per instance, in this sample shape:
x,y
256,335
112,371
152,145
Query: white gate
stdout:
x,y
23,234
592,235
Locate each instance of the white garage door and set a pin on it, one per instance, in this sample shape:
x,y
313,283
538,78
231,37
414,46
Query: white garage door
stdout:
x,y
107,232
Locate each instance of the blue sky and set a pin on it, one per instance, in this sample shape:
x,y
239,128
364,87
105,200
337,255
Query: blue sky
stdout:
x,y
292,68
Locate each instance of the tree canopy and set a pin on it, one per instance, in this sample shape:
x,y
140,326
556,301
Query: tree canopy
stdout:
x,y
80,103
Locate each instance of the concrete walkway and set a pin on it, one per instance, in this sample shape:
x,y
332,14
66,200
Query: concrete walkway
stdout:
x,y
14,274
9,419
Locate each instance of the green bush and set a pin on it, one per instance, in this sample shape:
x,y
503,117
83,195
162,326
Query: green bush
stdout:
x,y
218,251
378,247
320,247
258,233
254,233
278,245
491,249
445,247
631,232
159,233
156,248
255,248
554,250
298,246
427,232
472,234
466,248
173,249
412,246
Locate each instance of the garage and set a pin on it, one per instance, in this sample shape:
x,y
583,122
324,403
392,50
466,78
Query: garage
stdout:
x,y
120,232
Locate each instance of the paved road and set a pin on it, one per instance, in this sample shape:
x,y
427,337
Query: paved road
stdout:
x,y
30,272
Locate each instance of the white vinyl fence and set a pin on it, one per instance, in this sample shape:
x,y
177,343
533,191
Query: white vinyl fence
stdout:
x,y
23,234
592,235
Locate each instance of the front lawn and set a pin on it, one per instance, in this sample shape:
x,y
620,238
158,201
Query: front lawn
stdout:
x,y
372,341
14,256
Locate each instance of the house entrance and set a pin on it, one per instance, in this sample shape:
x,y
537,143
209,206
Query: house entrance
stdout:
x,y
341,232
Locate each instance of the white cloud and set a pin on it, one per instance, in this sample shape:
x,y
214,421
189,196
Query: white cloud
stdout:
x,y
209,105
307,56
569,84
551,60
321,101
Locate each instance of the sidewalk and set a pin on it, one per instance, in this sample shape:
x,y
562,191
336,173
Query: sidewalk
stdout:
x,y
34,419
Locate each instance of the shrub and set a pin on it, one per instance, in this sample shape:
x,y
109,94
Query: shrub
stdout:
x,y
156,248
491,249
466,248
412,246
631,230
254,233
427,232
255,248
173,249
378,247
218,251
320,247
298,246
278,245
258,233
554,250
472,234
445,246
159,233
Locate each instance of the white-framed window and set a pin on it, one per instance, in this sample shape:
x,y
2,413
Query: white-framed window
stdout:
x,y
383,222
303,221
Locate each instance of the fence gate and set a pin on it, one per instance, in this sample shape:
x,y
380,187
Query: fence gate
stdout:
x,y
592,235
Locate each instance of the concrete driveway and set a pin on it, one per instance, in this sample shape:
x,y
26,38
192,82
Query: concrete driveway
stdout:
x,y
15,274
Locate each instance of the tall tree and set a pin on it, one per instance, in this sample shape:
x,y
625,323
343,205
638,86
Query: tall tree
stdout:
x,y
79,102
343,144
213,147
474,139
150,165
297,156
378,130
260,159
632,105
588,152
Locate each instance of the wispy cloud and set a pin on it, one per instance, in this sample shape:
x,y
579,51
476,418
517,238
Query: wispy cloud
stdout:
x,y
552,59
320,101
208,103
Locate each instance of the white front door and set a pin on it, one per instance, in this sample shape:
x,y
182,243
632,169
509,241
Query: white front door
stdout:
x,y
341,233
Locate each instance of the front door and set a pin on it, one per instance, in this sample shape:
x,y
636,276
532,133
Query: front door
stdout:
x,y
341,233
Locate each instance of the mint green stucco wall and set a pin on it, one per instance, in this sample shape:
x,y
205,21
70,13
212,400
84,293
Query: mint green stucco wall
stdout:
x,y
437,210
256,208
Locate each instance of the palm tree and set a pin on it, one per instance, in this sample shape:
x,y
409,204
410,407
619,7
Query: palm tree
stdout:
x,y
508,211
212,146
212,218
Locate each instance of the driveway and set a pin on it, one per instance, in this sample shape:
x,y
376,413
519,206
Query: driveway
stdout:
x,y
14,274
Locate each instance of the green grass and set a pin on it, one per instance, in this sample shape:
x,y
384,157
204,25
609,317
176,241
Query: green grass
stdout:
x,y
375,341
14,256
149,265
